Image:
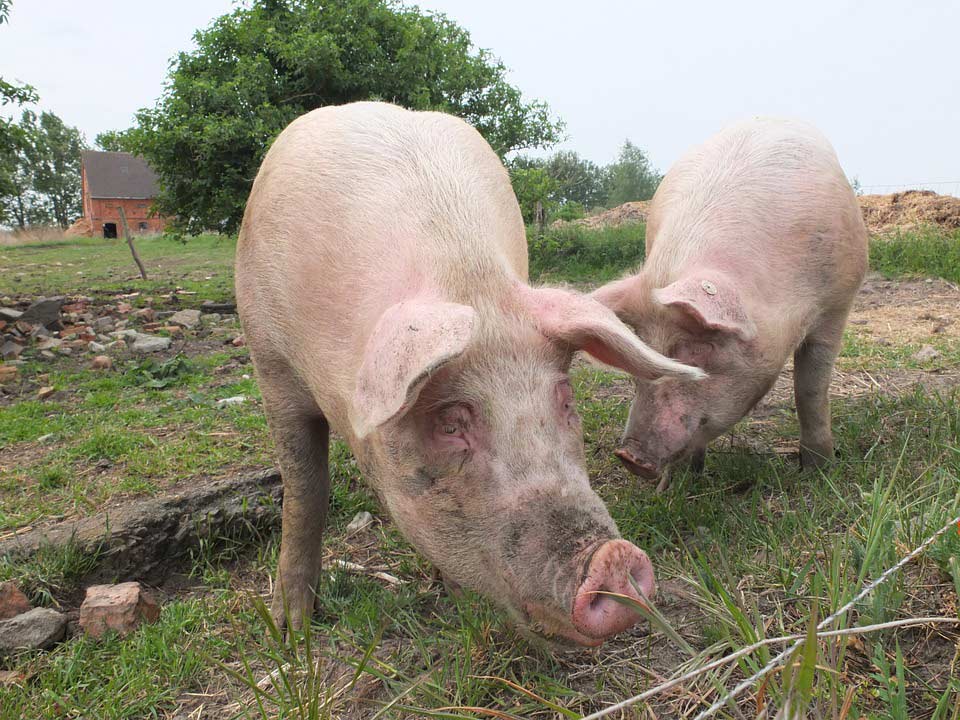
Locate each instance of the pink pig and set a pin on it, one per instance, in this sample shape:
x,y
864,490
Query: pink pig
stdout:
x,y
382,282
755,251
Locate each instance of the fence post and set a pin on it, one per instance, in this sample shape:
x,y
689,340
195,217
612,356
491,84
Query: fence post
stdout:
x,y
129,238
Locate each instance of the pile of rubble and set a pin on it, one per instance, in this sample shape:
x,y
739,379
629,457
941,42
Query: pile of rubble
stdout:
x,y
49,327
881,213
118,608
913,208
631,212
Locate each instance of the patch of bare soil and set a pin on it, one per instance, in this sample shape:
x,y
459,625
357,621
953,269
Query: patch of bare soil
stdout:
x,y
883,213
907,312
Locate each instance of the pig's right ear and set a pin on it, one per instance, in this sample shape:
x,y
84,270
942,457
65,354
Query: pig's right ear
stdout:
x,y
616,295
582,323
410,342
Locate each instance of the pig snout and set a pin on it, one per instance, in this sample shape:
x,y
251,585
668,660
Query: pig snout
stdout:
x,y
644,468
598,615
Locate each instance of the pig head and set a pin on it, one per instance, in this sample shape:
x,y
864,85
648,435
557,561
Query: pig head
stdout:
x,y
470,435
700,320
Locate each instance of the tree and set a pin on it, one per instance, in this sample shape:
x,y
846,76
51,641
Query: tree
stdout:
x,y
631,177
579,180
10,138
533,185
56,167
256,69
40,176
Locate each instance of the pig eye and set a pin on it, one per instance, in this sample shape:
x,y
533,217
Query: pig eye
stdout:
x,y
452,425
566,400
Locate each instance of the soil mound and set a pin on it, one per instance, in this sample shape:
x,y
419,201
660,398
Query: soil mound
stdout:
x,y
631,212
883,213
81,228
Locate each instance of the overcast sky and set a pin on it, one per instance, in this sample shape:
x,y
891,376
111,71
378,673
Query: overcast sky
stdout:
x,y
879,78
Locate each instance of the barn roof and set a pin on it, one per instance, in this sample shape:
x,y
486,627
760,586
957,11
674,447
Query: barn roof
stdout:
x,y
118,175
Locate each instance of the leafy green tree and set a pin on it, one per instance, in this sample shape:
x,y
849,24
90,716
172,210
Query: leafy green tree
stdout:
x,y
20,204
533,185
115,141
631,177
40,178
256,69
579,180
55,157
11,140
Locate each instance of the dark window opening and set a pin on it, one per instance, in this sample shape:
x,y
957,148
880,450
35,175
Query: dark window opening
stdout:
x,y
109,230
143,227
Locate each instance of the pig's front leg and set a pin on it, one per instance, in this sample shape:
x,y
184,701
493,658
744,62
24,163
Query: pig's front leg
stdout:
x,y
302,438
813,367
695,462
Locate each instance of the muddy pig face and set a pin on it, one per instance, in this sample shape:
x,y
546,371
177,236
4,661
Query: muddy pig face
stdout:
x,y
698,322
484,473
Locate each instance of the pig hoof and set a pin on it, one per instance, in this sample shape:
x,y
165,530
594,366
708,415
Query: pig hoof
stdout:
x,y
811,459
289,613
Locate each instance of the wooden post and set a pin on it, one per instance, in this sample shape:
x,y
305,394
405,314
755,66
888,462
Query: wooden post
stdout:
x,y
129,238
539,217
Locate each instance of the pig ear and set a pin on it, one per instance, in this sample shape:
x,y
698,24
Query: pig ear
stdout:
x,y
410,342
615,295
708,304
584,324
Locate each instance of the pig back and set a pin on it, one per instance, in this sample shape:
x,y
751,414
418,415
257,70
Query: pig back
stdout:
x,y
766,202
356,208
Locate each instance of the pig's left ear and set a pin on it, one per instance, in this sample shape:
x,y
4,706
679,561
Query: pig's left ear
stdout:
x,y
411,341
584,324
711,304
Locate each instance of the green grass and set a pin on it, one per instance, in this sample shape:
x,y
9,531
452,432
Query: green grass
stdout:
x,y
928,252
751,549
86,266
575,254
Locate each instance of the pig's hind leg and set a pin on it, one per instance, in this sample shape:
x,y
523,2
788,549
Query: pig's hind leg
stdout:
x,y
302,438
813,367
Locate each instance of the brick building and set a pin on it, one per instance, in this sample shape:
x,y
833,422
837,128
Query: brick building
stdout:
x,y
114,179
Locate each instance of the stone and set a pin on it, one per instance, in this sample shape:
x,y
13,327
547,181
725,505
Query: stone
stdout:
x,y
11,350
121,608
96,347
148,344
9,314
8,373
185,318
45,392
235,400
36,629
926,353
12,601
124,307
101,362
47,355
49,343
239,341
210,319
45,311
360,521
103,324
223,308
146,314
